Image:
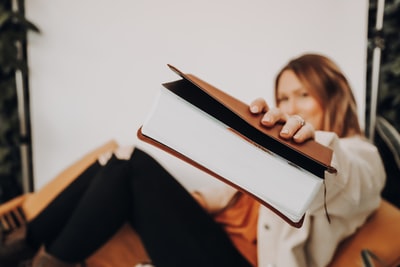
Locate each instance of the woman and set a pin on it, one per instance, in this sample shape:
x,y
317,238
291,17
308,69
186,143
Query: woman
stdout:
x,y
218,226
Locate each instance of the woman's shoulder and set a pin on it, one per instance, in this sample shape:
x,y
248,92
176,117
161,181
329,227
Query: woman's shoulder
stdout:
x,y
351,151
359,144
331,139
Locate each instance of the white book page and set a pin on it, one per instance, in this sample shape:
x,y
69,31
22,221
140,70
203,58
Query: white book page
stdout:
x,y
193,133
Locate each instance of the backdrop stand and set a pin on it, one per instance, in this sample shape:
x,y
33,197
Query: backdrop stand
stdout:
x,y
378,45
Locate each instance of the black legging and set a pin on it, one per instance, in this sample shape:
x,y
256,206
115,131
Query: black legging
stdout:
x,y
175,230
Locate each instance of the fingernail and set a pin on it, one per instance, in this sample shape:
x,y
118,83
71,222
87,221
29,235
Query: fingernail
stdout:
x,y
254,109
267,118
285,131
297,136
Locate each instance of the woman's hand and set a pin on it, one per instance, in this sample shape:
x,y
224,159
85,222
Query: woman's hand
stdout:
x,y
294,125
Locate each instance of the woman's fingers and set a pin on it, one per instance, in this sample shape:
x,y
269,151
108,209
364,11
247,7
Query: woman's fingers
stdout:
x,y
304,133
296,128
258,105
273,116
294,125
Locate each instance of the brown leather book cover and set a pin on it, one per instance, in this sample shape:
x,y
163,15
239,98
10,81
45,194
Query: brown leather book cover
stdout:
x,y
311,156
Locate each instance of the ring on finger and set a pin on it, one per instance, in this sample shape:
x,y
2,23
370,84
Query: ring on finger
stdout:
x,y
300,120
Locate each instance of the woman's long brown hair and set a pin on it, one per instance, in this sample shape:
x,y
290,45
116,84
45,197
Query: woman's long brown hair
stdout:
x,y
326,82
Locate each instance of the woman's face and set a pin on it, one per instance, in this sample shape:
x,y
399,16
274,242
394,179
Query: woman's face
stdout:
x,y
294,98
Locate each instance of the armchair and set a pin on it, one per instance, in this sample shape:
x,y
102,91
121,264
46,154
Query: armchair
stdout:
x,y
380,234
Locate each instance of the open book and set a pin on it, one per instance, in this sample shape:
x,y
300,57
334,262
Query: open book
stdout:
x,y
217,133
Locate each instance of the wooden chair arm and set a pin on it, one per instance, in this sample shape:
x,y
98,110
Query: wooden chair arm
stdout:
x,y
12,204
11,214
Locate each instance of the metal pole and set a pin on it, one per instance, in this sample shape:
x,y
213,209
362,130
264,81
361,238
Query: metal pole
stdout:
x,y
376,61
23,113
24,145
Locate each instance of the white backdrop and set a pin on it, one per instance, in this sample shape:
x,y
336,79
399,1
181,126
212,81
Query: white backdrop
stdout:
x,y
97,65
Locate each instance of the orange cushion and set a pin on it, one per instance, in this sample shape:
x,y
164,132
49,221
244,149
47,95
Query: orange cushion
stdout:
x,y
380,235
124,249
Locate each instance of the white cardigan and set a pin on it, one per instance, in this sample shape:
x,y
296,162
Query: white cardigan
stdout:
x,y
352,194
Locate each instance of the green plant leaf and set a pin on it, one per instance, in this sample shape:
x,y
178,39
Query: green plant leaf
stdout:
x,y
4,18
22,21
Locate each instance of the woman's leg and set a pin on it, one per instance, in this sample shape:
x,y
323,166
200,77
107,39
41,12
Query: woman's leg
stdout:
x,y
175,230
101,212
44,228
